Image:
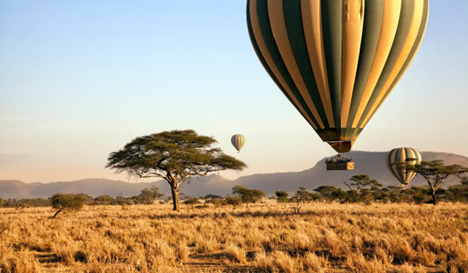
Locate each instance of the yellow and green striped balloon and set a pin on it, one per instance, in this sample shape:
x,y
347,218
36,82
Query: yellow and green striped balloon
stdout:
x,y
402,156
238,141
337,60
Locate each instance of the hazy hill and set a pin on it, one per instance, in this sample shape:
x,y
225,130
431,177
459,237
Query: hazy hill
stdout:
x,y
370,163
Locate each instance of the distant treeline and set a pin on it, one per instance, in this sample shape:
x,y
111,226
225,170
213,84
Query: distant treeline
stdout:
x,y
359,191
147,196
390,194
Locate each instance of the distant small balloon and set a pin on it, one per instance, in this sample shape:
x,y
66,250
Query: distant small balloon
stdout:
x,y
403,156
238,141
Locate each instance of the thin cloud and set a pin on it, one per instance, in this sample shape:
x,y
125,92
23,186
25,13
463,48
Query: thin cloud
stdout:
x,y
11,159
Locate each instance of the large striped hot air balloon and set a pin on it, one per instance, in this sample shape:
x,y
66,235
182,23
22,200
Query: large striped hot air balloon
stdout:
x,y
238,141
396,157
337,60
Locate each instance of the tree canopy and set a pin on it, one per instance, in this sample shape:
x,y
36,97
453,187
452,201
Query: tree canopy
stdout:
x,y
174,156
62,201
248,195
148,195
282,196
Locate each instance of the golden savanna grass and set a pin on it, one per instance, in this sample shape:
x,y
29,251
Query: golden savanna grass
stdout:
x,y
260,238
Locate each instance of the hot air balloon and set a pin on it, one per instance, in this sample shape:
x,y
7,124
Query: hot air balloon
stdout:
x,y
336,60
238,141
402,156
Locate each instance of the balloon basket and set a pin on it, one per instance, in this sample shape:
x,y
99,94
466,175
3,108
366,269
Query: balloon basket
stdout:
x,y
340,166
339,163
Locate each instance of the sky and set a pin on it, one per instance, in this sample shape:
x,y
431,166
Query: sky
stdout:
x,y
80,79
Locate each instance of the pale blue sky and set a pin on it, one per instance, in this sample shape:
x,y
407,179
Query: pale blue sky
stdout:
x,y
80,79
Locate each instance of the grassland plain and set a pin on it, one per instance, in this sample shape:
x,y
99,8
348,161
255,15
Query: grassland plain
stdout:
x,y
260,238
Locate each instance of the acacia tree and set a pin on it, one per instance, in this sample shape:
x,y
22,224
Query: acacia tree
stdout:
x,y
458,192
248,195
70,201
331,193
174,156
303,195
282,196
435,172
148,195
103,200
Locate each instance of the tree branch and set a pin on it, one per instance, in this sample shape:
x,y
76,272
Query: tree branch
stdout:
x,y
152,175
348,185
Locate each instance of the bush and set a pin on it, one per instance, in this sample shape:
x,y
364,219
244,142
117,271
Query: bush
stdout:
x,y
103,200
191,201
233,200
212,196
215,202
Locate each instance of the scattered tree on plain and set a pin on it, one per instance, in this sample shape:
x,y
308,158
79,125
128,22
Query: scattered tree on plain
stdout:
x,y
212,196
282,197
232,200
302,195
173,156
103,200
435,172
191,201
458,193
217,202
62,201
330,193
149,195
248,195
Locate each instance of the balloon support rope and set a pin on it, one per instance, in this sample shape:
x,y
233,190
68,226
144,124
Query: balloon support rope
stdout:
x,y
327,148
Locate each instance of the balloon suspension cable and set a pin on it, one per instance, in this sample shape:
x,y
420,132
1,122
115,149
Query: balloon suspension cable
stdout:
x,y
345,154
327,147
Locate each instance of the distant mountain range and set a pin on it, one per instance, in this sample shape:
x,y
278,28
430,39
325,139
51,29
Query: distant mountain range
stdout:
x,y
370,163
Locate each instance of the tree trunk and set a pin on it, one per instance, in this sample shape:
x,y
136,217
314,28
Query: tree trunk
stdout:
x,y
175,198
434,197
57,213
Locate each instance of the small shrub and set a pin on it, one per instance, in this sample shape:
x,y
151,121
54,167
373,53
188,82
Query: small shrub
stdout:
x,y
191,201
233,200
216,202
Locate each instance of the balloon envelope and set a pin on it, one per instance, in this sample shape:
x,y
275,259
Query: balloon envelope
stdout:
x,y
402,156
336,60
238,141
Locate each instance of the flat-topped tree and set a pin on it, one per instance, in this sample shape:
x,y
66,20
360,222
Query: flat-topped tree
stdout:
x,y
69,201
282,197
435,172
248,195
174,156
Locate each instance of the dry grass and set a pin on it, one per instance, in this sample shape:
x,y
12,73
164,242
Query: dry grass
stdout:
x,y
261,238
